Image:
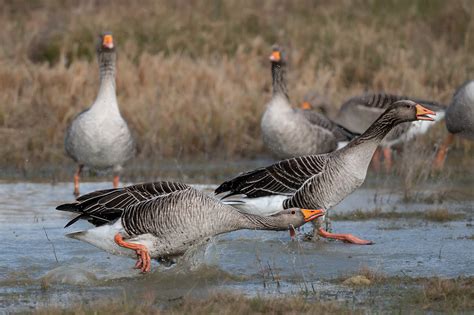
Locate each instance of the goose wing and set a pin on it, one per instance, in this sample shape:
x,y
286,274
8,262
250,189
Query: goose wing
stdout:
x,y
359,112
384,100
160,215
104,206
315,118
282,178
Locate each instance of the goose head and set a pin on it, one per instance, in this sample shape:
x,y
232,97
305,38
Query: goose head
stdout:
x,y
106,54
297,217
407,110
105,43
278,55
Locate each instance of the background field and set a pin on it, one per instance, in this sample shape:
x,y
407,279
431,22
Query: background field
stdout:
x,y
193,77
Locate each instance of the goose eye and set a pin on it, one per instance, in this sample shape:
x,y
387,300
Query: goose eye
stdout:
x,y
293,212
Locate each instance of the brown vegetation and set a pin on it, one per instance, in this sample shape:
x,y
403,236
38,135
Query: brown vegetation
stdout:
x,y
193,77
435,215
382,294
448,295
216,304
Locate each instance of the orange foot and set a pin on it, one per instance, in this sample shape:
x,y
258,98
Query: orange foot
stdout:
x,y
348,238
144,260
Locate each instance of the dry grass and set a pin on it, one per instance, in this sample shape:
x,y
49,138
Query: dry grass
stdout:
x,y
373,276
435,293
216,304
448,295
193,78
442,215
435,215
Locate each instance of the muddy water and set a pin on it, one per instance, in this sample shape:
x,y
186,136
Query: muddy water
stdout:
x,y
39,266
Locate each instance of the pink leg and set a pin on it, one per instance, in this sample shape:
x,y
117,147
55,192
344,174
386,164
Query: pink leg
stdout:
x,y
387,158
376,160
438,163
77,177
116,181
144,259
348,238
292,232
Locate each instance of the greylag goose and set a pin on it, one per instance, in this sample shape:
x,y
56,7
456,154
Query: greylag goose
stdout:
x,y
317,181
287,131
359,112
99,137
315,101
459,119
163,220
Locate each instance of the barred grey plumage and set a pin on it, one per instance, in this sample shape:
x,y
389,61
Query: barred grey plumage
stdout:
x,y
104,206
460,113
167,217
340,133
99,137
317,181
288,132
359,112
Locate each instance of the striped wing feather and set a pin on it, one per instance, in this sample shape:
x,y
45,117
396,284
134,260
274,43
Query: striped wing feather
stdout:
x,y
383,101
104,206
315,118
160,214
282,178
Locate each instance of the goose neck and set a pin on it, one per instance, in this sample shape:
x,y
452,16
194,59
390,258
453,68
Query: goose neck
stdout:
x,y
106,96
279,80
376,132
107,62
256,222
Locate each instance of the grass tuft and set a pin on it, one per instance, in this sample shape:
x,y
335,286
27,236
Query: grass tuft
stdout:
x,y
215,304
448,295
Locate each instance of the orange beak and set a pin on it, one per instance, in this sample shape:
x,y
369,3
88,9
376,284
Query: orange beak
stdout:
x,y
306,105
310,215
108,41
422,113
275,56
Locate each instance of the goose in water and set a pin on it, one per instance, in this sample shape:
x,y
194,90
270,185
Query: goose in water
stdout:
x,y
99,137
359,112
162,220
459,120
290,132
317,181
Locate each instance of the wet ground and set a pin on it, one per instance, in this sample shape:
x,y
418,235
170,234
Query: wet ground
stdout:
x,y
41,267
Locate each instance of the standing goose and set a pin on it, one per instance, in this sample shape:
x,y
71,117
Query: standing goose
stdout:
x,y
359,112
99,137
317,181
290,132
163,220
459,119
314,100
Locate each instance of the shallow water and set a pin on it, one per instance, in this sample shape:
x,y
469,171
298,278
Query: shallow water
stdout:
x,y
39,266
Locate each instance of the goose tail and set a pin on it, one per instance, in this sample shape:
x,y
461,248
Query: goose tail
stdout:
x,y
80,235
